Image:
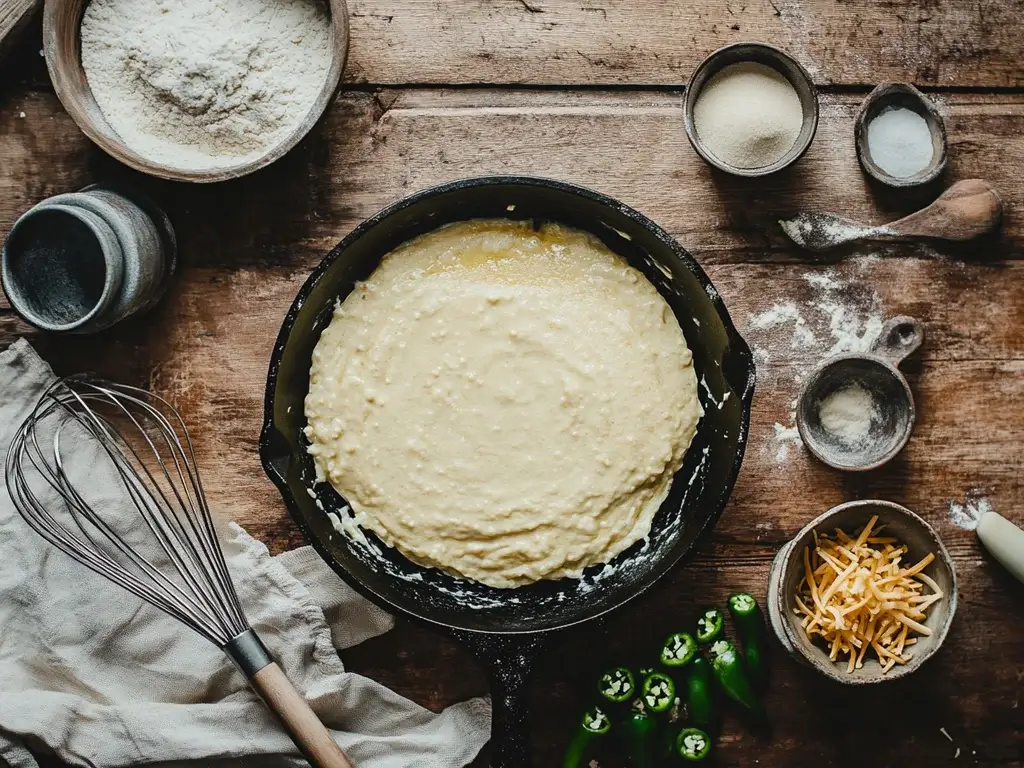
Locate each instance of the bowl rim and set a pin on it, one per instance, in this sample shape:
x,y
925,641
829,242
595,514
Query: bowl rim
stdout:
x,y
107,241
797,151
103,135
822,663
268,453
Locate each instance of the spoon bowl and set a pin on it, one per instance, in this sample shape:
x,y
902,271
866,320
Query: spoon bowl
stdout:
x,y
966,210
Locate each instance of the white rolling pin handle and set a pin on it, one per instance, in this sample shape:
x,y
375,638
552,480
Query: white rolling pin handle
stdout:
x,y
1004,540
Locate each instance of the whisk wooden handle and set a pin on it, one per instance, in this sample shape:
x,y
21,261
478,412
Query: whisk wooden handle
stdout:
x,y
304,727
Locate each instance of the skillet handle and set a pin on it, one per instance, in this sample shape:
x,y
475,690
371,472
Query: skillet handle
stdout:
x,y
509,660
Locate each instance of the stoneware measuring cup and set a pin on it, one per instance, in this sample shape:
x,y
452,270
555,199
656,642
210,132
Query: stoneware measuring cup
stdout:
x,y
83,261
877,372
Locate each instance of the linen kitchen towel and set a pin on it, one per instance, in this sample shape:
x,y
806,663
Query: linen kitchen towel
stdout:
x,y
99,678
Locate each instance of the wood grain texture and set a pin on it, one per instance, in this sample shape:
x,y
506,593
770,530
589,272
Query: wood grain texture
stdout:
x,y
643,42
247,245
302,724
373,148
14,18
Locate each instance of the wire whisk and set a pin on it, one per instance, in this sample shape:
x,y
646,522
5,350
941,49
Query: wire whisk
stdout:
x,y
155,536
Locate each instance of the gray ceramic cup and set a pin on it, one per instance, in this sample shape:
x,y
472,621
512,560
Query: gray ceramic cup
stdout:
x,y
62,268
138,249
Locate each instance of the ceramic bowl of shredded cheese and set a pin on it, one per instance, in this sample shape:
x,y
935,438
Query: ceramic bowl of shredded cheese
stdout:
x,y
865,593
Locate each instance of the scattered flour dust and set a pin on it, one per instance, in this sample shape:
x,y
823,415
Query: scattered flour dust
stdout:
x,y
837,318
966,515
787,438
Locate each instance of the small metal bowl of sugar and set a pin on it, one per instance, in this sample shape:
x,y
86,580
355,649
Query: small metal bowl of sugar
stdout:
x,y
750,109
900,136
857,411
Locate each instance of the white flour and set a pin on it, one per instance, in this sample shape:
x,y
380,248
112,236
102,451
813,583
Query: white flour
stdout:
x,y
967,515
203,84
847,414
837,318
786,438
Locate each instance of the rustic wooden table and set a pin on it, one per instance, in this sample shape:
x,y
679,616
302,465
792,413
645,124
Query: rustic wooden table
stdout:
x,y
590,92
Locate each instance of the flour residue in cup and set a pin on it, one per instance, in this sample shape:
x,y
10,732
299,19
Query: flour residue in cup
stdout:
x,y
848,413
205,84
836,317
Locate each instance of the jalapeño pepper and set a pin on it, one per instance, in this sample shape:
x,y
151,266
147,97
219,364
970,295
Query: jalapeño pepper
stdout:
x,y
640,733
678,651
749,622
731,675
594,727
658,693
693,744
709,625
616,686
700,695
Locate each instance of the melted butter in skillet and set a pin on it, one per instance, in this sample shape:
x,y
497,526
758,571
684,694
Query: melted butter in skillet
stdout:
x,y
503,403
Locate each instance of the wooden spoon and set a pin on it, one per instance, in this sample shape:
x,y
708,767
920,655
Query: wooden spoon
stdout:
x,y
966,210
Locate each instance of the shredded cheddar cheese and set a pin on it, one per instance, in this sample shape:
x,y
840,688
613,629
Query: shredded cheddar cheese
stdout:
x,y
857,596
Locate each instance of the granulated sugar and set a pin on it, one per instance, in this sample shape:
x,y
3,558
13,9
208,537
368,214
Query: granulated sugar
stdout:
x,y
748,115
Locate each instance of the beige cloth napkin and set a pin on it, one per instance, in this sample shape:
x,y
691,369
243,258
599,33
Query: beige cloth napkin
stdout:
x,y
92,674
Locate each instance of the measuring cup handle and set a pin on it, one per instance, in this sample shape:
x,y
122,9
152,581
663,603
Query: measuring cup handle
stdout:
x,y
899,338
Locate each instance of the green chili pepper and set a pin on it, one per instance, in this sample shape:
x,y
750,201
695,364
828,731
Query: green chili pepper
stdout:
x,y
719,647
641,739
709,625
678,651
749,622
693,744
700,695
594,727
658,693
731,675
616,686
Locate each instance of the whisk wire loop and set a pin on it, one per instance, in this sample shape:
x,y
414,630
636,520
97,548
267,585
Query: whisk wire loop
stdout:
x,y
178,566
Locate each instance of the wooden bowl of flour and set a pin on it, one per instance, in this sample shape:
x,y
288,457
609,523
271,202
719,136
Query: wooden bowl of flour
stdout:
x,y
62,20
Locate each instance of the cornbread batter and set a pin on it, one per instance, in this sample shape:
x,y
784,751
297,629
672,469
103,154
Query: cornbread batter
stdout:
x,y
503,403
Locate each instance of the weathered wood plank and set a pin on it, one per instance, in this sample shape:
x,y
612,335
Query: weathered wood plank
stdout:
x,y
372,149
207,348
944,43
14,18
641,42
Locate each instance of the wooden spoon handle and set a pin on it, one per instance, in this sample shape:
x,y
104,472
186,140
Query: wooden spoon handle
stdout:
x,y
304,727
966,210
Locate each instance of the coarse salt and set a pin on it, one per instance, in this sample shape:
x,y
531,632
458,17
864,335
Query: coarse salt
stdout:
x,y
900,142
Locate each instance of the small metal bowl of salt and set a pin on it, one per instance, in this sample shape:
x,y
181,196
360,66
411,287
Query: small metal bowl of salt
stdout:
x,y
900,136
857,411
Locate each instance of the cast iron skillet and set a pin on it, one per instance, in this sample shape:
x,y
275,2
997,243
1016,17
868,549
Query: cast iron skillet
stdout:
x,y
506,628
